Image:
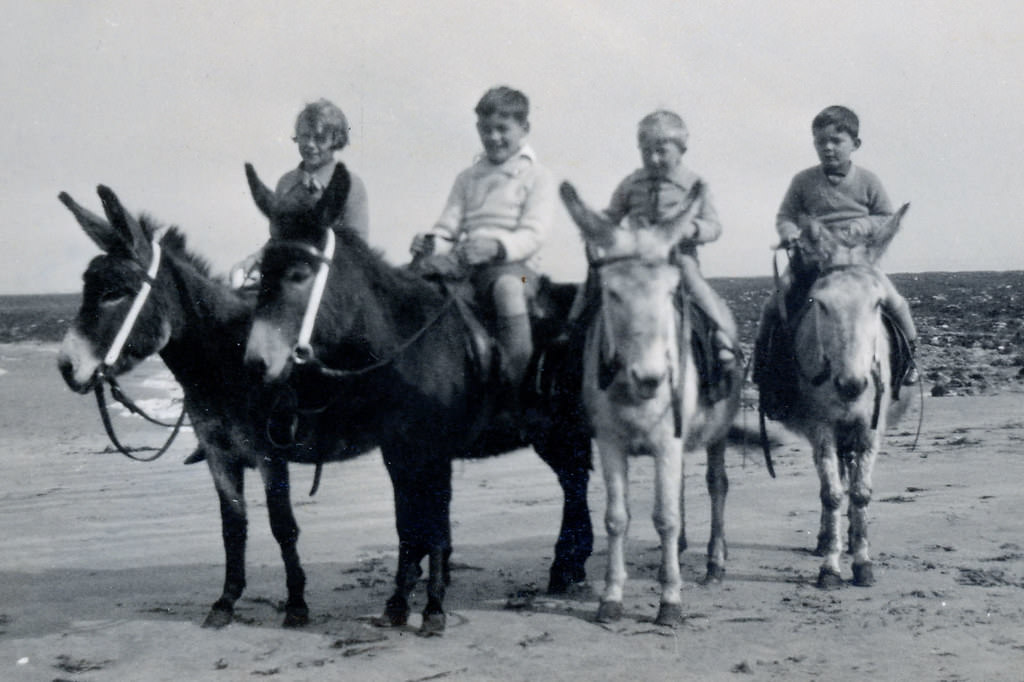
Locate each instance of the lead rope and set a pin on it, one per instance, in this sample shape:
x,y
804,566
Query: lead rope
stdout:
x,y
101,404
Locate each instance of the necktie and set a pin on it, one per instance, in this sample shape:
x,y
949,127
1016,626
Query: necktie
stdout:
x,y
653,213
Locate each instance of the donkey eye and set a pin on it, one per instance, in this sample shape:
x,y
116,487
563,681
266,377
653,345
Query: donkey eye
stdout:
x,y
113,297
297,274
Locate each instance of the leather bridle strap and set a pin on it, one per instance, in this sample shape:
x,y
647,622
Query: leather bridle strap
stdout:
x,y
303,350
114,352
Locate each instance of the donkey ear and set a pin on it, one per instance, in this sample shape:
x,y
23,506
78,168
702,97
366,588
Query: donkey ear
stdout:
x,y
261,194
331,205
596,229
881,240
96,228
131,234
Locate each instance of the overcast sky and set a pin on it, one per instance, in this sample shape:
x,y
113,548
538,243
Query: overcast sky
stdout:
x,y
164,102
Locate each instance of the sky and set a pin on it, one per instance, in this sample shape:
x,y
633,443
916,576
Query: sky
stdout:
x,y
164,102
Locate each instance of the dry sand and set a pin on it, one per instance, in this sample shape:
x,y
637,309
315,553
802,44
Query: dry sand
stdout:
x,y
107,567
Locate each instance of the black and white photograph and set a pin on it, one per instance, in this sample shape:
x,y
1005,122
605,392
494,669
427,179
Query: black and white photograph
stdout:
x,y
467,341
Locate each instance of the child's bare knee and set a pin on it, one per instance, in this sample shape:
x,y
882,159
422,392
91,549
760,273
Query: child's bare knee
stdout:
x,y
509,295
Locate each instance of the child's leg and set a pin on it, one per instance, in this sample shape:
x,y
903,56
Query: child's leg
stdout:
x,y
712,304
513,330
899,309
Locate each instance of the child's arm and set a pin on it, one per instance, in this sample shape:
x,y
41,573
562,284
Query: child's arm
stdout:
x,y
357,210
787,221
878,205
526,238
450,222
707,227
704,225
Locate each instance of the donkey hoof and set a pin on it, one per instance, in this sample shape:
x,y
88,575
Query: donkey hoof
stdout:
x,y
218,617
296,617
863,575
433,625
715,575
829,579
609,611
669,615
396,613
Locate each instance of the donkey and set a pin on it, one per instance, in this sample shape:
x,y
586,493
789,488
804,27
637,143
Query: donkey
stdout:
x,y
198,327
394,358
641,395
842,352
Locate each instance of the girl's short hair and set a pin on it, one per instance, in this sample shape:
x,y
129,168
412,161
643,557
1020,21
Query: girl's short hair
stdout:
x,y
324,115
506,102
842,118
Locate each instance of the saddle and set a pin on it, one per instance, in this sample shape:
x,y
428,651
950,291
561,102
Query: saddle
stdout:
x,y
549,376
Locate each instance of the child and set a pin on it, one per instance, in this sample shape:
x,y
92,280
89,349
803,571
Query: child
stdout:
x,y
652,198
496,218
848,201
321,130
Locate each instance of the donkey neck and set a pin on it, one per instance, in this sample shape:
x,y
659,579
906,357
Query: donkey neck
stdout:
x,y
208,324
384,305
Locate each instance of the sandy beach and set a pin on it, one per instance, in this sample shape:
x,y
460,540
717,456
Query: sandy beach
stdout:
x,y
108,566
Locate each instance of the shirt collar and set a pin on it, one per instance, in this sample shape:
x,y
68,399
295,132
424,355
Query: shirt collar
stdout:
x,y
515,163
680,176
835,177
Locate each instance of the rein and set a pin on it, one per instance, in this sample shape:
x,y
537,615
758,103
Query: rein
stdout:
x,y
334,373
114,352
115,390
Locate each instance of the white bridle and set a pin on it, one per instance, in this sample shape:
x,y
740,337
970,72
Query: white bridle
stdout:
x,y
133,312
303,350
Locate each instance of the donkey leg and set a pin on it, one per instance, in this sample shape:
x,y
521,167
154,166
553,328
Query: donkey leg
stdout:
x,y
438,539
570,460
827,464
422,504
277,487
718,488
229,480
860,496
615,468
668,480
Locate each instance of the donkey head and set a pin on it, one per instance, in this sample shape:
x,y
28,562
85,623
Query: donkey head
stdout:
x,y
293,262
111,284
841,344
632,346
822,247
297,216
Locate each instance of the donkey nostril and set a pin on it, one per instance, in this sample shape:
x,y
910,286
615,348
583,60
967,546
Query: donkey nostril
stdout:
x,y
646,386
849,388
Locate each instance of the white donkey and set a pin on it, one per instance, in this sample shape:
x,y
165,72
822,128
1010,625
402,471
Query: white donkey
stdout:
x,y
640,389
843,402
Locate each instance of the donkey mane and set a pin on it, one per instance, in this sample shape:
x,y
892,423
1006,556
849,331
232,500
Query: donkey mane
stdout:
x,y
173,241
